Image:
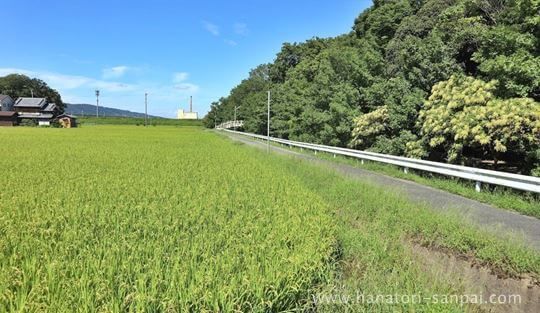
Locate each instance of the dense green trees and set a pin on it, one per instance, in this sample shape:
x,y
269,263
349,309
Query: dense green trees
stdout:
x,y
16,85
448,80
249,98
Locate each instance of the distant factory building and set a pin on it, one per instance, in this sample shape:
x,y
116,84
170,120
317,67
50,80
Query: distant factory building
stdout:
x,y
183,115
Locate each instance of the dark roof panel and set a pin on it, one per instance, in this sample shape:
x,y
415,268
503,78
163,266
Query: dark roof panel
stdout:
x,y
50,107
31,102
66,115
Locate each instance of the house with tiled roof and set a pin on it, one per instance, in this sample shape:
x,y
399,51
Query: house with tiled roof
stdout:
x,y
36,109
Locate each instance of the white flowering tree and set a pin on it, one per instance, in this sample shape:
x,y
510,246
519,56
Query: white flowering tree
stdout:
x,y
463,112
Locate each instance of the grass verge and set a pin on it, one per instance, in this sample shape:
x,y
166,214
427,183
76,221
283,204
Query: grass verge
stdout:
x,y
373,225
504,198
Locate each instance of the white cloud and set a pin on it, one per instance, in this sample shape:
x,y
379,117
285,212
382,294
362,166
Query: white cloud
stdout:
x,y
69,82
230,42
211,28
241,29
115,72
71,98
180,84
187,88
180,77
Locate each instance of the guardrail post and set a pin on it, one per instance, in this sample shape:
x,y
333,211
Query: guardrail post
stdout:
x,y
406,170
478,186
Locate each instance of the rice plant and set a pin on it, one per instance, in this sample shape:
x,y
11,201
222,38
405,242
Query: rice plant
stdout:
x,y
154,219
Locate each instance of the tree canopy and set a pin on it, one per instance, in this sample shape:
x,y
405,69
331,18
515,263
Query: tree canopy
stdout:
x,y
16,85
448,80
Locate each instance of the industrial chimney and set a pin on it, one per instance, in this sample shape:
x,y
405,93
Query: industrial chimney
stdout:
x,y
183,115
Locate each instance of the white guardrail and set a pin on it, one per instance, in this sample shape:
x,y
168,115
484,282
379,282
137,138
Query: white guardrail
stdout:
x,y
521,182
230,124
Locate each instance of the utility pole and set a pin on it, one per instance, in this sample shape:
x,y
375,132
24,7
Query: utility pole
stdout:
x,y
268,126
235,108
31,91
145,109
97,103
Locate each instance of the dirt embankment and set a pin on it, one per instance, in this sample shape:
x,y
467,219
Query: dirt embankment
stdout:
x,y
511,294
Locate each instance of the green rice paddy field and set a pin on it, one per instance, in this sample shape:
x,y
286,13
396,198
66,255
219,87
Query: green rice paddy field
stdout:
x,y
173,219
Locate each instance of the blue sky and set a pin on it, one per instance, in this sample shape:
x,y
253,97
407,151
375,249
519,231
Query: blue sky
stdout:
x,y
170,49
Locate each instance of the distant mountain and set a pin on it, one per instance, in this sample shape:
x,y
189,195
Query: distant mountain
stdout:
x,y
90,110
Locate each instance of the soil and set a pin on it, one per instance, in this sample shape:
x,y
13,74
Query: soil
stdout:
x,y
473,278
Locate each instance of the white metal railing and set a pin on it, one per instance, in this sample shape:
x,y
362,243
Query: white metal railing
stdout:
x,y
230,125
521,182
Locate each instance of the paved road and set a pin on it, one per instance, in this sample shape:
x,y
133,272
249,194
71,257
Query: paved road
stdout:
x,y
493,219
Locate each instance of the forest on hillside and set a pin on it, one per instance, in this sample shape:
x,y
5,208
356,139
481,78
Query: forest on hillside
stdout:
x,y
446,80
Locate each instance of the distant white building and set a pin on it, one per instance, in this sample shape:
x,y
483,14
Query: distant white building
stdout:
x,y
183,115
